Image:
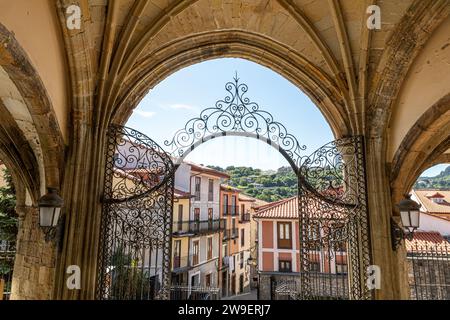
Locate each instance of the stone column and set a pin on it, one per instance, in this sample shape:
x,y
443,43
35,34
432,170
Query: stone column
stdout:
x,y
394,281
82,193
34,267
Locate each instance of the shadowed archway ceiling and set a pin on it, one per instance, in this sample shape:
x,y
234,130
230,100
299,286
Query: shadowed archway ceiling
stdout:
x,y
331,38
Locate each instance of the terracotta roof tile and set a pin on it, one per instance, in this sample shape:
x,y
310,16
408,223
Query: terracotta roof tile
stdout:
x,y
283,209
433,207
426,241
288,209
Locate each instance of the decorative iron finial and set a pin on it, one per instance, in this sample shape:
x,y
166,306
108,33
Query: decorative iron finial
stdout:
x,y
236,114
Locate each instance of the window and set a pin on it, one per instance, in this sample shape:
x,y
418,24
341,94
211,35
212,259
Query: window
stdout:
x,y
233,230
198,181
314,266
225,204
242,259
210,214
197,214
284,266
314,232
242,237
177,254
224,250
208,280
284,235
437,200
233,205
341,268
180,217
195,251
210,190
210,248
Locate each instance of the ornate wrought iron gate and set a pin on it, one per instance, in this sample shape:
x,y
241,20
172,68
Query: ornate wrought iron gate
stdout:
x,y
139,181
334,222
137,218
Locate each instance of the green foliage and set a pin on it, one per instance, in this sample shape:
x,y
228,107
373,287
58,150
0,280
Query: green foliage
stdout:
x,y
8,217
265,185
128,280
441,181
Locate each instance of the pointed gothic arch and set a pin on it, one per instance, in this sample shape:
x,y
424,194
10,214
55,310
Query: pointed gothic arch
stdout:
x,y
139,184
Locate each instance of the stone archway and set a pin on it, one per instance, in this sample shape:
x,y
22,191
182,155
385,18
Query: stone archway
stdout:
x,y
424,144
31,145
114,37
139,183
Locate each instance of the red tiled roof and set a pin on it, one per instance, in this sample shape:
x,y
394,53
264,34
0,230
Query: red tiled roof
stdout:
x,y
227,187
435,195
424,241
203,169
182,195
255,202
432,207
283,209
288,209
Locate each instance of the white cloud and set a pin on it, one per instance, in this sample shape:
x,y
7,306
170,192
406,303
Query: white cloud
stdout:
x,y
180,106
145,114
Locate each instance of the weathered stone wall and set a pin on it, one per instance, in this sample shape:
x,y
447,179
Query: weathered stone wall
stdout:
x,y
34,267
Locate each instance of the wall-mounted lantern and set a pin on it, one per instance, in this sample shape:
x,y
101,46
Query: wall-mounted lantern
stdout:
x,y
50,206
410,219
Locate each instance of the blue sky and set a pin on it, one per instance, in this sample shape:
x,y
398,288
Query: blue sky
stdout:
x,y
183,95
434,171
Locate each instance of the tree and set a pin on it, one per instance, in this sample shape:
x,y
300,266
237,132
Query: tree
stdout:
x,y
8,217
8,223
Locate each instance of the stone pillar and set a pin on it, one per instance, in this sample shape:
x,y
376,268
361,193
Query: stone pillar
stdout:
x,y
394,281
34,267
82,192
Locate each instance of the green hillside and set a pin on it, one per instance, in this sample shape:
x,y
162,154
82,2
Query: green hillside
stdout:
x,y
265,185
441,181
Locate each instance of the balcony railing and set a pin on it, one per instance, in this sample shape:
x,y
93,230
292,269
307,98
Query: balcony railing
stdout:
x,y
244,217
230,234
194,293
230,210
225,261
198,226
180,262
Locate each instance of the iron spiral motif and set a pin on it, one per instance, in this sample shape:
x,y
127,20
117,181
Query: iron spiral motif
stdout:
x,y
236,113
136,225
333,216
136,228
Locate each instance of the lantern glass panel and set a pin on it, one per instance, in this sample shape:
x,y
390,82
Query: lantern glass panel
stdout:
x,y
46,216
406,219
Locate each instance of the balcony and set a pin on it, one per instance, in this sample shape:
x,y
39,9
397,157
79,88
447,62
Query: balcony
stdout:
x,y
180,263
230,234
244,217
197,227
186,262
225,263
230,210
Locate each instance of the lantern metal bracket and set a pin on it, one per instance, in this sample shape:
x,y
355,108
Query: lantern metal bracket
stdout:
x,y
49,233
55,233
398,234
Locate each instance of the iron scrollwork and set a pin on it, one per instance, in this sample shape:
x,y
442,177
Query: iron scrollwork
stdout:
x,y
137,218
333,201
236,114
139,181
